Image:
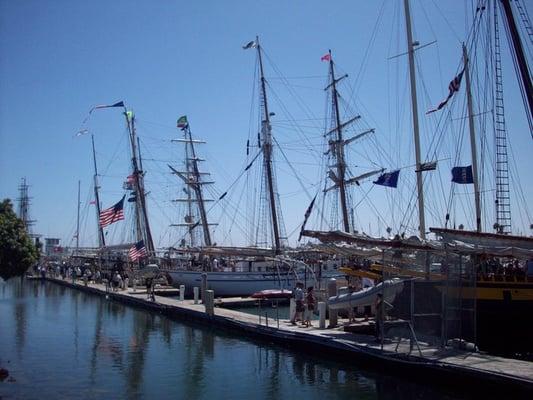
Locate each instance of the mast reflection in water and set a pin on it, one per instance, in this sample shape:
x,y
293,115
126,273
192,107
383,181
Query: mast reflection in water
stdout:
x,y
59,343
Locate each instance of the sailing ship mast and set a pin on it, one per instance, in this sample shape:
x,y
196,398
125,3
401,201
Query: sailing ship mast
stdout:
x,y
473,148
503,210
416,129
141,217
338,146
78,221
192,179
521,62
266,141
101,237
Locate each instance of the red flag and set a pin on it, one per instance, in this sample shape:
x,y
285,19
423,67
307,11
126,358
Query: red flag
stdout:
x,y
92,202
326,57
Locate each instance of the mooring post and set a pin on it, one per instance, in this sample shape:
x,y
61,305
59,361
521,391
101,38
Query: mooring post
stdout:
x,y
196,291
292,308
182,292
332,291
322,314
209,302
277,312
203,287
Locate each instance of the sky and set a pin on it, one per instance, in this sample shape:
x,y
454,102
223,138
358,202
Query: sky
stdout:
x,y
165,59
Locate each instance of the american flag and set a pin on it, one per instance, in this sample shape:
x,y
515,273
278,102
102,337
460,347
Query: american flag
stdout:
x,y
112,214
138,250
453,87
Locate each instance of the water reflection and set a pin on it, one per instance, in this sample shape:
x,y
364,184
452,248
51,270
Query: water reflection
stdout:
x,y
19,311
106,350
143,324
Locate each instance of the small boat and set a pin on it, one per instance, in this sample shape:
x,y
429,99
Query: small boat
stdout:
x,y
389,288
272,294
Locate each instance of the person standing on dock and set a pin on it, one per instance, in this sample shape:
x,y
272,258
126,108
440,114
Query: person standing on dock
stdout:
x,y
299,299
309,306
150,289
380,314
125,281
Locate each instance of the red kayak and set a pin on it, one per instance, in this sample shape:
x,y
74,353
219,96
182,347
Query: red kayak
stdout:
x,y
272,294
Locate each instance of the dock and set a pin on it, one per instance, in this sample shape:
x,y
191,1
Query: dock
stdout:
x,y
444,365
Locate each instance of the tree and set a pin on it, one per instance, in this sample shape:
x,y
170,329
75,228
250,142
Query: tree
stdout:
x,y
17,252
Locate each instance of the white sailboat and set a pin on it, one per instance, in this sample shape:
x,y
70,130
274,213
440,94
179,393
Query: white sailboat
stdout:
x,y
232,271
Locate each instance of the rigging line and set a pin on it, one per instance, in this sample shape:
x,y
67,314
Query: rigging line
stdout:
x,y
301,103
364,61
473,115
113,157
518,187
234,219
305,87
525,28
305,139
252,103
293,77
235,181
443,17
517,72
299,119
296,127
371,205
303,106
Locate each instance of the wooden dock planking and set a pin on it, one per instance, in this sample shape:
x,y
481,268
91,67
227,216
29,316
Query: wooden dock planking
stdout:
x,y
477,365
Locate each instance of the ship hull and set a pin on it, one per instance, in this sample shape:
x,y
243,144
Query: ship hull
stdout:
x,y
226,284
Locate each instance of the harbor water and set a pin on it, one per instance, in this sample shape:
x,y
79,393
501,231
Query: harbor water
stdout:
x,y
60,343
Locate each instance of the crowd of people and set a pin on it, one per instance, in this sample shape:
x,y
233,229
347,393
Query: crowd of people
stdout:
x,y
490,267
116,280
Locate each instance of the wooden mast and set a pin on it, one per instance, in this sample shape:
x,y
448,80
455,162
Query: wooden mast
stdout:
x,y
147,230
416,129
101,237
266,136
339,147
141,218
192,180
197,187
78,221
472,140
521,60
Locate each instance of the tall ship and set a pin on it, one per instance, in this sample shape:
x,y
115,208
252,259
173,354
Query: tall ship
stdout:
x,y
234,271
487,276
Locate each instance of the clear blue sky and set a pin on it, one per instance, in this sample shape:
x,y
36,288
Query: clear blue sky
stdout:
x,y
170,58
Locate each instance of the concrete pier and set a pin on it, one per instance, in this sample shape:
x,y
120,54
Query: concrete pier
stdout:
x,y
445,365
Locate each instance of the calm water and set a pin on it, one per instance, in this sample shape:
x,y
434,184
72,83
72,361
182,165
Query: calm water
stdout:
x,y
58,343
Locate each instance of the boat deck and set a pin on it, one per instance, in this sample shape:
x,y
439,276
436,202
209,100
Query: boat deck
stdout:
x,y
431,360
